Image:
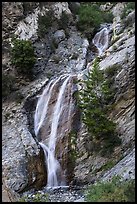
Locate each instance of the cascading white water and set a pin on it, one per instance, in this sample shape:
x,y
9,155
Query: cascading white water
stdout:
x,y
101,40
43,115
53,166
41,109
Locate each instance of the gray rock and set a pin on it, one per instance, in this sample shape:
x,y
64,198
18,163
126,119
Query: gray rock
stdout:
x,y
21,156
121,55
124,168
130,19
59,35
70,55
60,7
79,200
74,6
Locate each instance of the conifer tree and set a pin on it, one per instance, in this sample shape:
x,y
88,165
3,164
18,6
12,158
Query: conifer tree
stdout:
x,y
94,98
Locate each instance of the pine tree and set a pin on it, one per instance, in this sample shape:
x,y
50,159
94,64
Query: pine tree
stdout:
x,y
94,98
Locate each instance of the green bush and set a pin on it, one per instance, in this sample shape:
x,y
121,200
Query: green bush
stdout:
x,y
8,84
127,9
108,165
44,23
112,191
115,39
18,97
63,22
22,57
112,70
90,18
94,101
28,7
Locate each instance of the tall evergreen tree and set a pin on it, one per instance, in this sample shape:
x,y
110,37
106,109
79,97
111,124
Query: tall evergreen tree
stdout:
x,y
94,101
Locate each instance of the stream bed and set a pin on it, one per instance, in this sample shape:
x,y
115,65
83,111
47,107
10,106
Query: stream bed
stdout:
x,y
59,194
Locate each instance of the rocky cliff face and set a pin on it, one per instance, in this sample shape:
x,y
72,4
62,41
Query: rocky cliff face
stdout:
x,y
23,159
121,52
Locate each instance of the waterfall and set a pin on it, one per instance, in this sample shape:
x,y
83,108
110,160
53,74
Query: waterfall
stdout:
x,y
52,119
41,109
101,40
54,171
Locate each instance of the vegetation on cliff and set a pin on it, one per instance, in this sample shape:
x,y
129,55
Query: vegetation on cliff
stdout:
x,y
95,97
130,6
112,191
23,57
90,17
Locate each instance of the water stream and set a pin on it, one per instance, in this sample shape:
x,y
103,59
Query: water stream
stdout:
x,y
55,175
54,171
101,40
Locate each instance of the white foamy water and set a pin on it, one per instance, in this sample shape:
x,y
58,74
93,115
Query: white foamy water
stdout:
x,y
101,40
41,108
56,114
54,172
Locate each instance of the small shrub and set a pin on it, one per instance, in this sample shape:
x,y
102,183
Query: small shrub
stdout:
x,y
73,6
74,56
115,39
49,74
23,199
18,97
109,144
130,190
7,115
112,191
22,57
63,22
8,84
44,23
108,165
114,47
112,70
108,17
28,7
128,8
56,59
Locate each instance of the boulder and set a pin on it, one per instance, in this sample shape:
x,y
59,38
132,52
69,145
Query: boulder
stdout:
x,y
59,35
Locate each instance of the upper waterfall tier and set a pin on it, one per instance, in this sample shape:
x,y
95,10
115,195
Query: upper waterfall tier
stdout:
x,y
101,40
